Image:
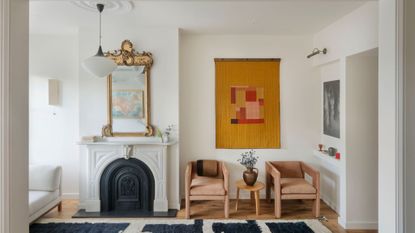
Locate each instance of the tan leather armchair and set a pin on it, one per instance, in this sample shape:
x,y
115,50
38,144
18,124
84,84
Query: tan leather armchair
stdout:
x,y
286,178
206,188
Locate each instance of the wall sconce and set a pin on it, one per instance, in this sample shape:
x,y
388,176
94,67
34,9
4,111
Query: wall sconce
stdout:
x,y
53,89
317,51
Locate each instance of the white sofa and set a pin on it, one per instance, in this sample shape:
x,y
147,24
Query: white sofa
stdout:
x,y
45,192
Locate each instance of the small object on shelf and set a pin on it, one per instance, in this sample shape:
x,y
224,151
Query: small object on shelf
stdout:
x,y
166,134
91,138
332,151
338,155
165,138
320,147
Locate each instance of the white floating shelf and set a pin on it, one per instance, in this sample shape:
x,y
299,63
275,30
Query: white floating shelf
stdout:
x,y
327,161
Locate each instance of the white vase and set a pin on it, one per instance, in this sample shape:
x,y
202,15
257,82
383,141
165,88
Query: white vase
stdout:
x,y
165,138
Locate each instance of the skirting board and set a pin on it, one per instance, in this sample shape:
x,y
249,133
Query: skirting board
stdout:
x,y
69,196
330,203
262,195
357,225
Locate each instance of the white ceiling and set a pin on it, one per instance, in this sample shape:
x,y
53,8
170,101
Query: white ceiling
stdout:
x,y
198,16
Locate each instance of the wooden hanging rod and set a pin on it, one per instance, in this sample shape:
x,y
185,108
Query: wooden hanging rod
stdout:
x,y
247,59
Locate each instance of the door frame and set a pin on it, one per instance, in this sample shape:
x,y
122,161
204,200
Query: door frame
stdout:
x,y
14,36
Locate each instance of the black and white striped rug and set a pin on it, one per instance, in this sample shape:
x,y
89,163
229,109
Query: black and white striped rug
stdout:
x,y
178,226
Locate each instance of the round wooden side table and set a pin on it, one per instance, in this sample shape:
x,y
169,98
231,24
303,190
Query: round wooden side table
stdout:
x,y
254,191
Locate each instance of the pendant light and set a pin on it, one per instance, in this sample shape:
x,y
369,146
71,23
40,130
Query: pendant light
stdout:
x,y
99,65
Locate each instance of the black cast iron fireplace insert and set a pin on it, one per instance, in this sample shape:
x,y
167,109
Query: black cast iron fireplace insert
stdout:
x,y
127,190
127,185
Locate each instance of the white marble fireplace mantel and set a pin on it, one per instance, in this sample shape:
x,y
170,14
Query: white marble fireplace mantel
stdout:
x,y
96,156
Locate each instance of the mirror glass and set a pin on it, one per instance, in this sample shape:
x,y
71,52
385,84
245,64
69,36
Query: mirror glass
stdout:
x,y
128,95
128,102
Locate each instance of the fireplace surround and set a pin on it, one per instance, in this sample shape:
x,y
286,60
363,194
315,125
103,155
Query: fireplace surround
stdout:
x,y
141,170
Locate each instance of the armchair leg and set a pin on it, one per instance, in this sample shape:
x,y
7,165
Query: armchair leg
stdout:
x,y
60,206
226,206
316,208
268,188
187,208
277,206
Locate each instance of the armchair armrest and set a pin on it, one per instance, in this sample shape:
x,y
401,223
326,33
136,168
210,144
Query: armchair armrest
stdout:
x,y
315,174
273,171
225,177
275,174
188,178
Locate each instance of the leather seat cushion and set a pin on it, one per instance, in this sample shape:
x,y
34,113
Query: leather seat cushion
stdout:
x,y
207,186
296,185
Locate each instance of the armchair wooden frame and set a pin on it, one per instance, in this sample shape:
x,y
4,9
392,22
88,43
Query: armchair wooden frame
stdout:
x,y
273,176
189,197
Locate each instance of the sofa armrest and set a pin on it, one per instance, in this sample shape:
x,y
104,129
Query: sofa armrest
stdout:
x,y
45,178
225,176
188,178
315,174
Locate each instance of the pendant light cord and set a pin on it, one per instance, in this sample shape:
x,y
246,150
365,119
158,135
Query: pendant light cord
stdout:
x,y
100,8
100,29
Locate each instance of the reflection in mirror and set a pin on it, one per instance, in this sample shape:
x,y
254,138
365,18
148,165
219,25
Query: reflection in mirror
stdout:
x,y
128,91
128,98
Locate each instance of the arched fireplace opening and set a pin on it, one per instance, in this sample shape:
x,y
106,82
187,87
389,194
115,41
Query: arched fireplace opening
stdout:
x,y
127,185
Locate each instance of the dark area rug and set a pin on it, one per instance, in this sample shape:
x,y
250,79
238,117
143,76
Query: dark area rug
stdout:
x,y
78,227
297,227
250,226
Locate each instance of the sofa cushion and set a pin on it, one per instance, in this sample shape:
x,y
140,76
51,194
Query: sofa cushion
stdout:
x,y
296,185
207,186
39,199
44,177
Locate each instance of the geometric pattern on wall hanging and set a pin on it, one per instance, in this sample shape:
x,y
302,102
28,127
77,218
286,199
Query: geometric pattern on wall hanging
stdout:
x,y
247,103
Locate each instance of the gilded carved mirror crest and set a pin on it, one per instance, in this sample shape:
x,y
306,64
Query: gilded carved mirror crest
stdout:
x,y
128,93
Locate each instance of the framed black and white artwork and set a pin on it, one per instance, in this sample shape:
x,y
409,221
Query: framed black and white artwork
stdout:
x,y
331,108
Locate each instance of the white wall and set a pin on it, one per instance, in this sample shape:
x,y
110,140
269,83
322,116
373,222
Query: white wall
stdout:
x,y
332,184
163,43
389,113
362,140
300,98
331,72
54,129
354,33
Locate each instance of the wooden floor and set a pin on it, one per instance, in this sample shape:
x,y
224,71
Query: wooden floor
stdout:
x,y
292,209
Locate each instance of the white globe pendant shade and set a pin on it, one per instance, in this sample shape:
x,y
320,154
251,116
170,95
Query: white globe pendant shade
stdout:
x,y
99,66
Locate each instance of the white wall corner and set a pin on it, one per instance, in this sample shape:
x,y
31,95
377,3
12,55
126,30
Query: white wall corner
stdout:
x,y
332,204
342,222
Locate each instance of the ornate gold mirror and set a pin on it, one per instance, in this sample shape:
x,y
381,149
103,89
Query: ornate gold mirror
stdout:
x,y
128,93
